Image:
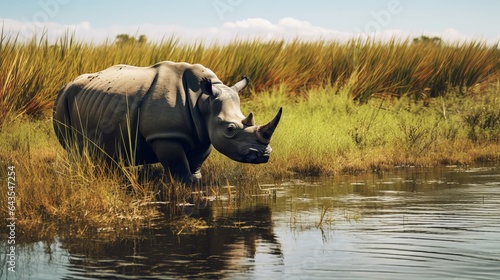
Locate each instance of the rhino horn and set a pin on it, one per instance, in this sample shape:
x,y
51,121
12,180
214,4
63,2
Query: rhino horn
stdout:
x,y
241,84
248,121
265,132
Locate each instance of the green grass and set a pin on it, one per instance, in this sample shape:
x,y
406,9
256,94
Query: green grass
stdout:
x,y
324,132
361,106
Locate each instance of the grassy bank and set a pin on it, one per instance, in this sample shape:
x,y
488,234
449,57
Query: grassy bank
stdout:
x,y
351,107
327,134
320,134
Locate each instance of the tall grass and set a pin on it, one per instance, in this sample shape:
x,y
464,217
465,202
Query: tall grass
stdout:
x,y
58,192
32,72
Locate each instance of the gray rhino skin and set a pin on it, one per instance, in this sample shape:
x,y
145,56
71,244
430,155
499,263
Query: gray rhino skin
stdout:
x,y
169,112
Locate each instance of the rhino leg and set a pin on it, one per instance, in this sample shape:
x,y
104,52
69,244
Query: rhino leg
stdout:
x,y
196,158
172,156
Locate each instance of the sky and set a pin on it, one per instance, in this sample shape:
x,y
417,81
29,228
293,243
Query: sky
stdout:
x,y
226,20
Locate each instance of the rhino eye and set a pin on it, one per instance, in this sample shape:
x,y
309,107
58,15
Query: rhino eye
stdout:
x,y
231,130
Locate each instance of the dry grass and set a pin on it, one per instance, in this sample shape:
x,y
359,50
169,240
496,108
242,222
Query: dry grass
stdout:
x,y
55,194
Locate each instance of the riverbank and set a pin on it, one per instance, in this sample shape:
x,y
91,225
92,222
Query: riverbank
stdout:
x,y
326,135
322,133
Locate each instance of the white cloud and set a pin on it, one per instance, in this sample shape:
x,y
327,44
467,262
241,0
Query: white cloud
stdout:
x,y
251,23
294,23
286,28
451,34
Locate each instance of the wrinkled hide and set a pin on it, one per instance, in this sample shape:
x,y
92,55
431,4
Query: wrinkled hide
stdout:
x,y
171,113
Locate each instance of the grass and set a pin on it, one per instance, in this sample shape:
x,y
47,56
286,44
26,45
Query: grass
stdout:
x,y
77,193
324,132
361,106
32,72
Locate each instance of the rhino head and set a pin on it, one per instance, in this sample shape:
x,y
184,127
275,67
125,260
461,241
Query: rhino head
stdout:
x,y
232,133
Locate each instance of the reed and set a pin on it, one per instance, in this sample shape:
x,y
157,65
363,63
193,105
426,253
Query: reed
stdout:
x,y
32,72
57,192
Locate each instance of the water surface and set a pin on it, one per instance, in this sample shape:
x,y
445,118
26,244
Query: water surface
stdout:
x,y
412,224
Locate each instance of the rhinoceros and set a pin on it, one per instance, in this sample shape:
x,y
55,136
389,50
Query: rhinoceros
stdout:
x,y
172,113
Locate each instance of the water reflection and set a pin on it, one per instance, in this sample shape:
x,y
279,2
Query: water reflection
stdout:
x,y
424,224
228,247
412,224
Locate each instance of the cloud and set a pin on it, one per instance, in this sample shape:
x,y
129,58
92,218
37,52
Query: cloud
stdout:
x,y
251,23
25,30
287,28
451,34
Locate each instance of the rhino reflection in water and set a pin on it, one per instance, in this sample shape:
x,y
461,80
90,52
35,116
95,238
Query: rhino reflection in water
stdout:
x,y
170,113
216,252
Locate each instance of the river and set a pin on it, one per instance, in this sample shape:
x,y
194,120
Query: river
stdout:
x,y
411,223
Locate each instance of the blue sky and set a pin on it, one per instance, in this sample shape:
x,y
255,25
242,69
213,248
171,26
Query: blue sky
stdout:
x,y
223,20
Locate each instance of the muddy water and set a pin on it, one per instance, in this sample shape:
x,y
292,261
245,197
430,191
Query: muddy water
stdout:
x,y
409,224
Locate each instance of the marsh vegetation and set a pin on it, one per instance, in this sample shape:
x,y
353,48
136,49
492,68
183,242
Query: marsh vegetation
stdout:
x,y
359,106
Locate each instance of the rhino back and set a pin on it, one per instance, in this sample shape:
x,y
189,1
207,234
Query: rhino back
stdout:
x,y
105,105
111,95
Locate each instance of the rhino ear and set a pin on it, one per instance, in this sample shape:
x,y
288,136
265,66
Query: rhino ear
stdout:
x,y
241,84
208,88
